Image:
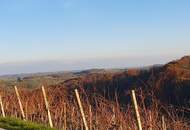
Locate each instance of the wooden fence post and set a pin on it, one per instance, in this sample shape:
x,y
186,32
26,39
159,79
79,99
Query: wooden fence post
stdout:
x,y
47,107
81,109
136,110
2,108
19,101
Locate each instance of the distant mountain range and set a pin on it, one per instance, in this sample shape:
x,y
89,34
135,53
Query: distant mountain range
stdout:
x,y
74,72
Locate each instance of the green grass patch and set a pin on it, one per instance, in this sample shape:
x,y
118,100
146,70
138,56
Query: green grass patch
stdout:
x,y
10,123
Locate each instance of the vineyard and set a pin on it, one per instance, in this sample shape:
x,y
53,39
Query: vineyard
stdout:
x,y
100,113
105,101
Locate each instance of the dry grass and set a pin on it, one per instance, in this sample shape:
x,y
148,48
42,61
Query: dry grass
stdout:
x,y
101,114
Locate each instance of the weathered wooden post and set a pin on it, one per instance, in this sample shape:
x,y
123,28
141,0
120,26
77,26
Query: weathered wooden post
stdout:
x,y
47,107
150,120
65,116
163,123
81,109
19,101
90,116
2,108
136,110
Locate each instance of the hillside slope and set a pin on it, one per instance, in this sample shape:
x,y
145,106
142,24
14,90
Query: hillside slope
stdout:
x,y
173,82
170,83
157,88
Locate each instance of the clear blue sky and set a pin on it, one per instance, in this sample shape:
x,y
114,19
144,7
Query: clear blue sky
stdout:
x,y
79,34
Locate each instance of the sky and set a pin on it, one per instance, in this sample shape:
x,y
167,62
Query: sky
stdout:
x,y
53,35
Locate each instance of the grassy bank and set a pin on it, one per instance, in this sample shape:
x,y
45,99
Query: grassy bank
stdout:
x,y
17,124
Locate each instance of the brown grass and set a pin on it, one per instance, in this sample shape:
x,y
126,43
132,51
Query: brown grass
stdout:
x,y
102,113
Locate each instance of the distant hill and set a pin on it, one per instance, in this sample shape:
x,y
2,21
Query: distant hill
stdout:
x,y
180,68
169,82
173,81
